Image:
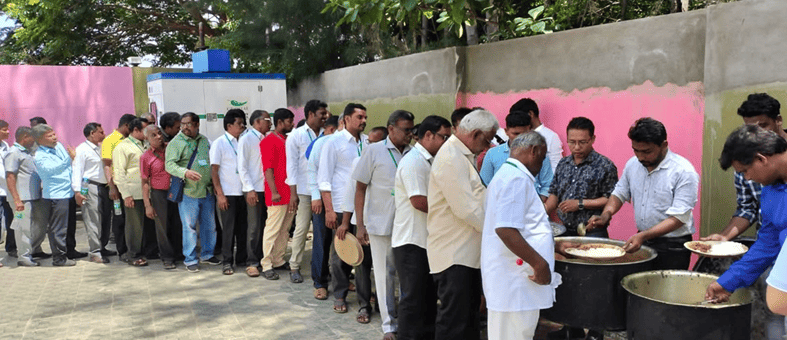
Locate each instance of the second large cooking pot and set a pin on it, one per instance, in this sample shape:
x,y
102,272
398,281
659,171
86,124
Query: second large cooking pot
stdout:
x,y
590,295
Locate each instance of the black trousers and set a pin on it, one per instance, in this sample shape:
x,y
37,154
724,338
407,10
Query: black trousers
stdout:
x,y
8,216
119,228
105,211
459,290
234,229
71,231
340,274
418,303
149,238
321,251
56,214
255,222
166,215
672,253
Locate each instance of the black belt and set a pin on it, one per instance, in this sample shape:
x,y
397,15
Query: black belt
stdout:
x,y
90,181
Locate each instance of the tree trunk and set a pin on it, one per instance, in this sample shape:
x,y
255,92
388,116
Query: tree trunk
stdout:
x,y
472,35
424,30
492,26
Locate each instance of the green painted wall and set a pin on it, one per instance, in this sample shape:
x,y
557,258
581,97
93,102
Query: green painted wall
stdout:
x,y
421,106
140,78
718,203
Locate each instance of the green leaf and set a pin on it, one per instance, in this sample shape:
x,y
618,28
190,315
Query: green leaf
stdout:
x,y
538,27
535,12
409,5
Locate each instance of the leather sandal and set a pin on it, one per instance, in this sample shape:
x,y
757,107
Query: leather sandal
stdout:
x,y
139,263
321,294
363,316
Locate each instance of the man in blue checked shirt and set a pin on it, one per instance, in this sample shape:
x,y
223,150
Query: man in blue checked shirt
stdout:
x,y
517,123
53,162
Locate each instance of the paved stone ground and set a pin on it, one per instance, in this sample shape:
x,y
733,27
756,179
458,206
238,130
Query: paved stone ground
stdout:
x,y
118,301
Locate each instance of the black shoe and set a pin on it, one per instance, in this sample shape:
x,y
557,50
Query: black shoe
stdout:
x,y
107,253
285,266
75,254
567,333
211,261
270,274
41,256
12,253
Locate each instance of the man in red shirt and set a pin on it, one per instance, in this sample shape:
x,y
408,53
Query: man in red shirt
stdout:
x,y
277,198
155,184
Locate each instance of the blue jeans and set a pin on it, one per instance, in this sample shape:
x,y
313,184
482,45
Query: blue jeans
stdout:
x,y
321,249
193,210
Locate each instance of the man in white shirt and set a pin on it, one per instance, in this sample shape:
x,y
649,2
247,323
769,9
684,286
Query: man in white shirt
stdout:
x,y
454,223
336,160
87,177
321,242
6,213
297,178
554,145
662,187
517,248
228,188
418,299
375,174
253,185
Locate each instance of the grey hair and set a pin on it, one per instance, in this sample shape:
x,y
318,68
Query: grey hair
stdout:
x,y
400,115
22,132
482,120
528,139
150,128
40,130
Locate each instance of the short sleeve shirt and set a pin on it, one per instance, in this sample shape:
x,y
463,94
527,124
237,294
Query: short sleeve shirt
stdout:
x,y
595,177
513,203
412,179
274,156
151,165
224,153
109,144
670,190
778,276
21,162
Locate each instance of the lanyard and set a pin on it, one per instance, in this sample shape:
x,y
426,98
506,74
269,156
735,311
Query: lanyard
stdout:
x,y
392,156
360,146
512,164
309,133
256,133
233,148
137,145
20,147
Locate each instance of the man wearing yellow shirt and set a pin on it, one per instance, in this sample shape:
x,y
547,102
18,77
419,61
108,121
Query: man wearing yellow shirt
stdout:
x,y
108,193
125,160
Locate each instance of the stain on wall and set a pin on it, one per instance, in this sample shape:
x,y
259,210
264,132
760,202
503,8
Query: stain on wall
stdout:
x,y
679,108
68,97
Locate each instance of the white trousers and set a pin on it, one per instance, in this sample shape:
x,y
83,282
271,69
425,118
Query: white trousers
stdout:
x,y
512,325
384,275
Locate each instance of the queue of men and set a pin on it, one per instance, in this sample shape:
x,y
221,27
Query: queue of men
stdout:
x,y
422,211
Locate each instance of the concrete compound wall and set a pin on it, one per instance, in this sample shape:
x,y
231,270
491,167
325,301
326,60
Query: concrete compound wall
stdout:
x,y
68,97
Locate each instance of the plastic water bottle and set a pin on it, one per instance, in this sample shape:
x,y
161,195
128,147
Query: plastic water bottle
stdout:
x,y
117,207
85,183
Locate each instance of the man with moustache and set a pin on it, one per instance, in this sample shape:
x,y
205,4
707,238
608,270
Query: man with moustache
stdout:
x,y
155,185
110,193
253,186
87,179
125,160
24,189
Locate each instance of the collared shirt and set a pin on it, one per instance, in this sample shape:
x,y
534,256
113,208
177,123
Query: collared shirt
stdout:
x,y
456,209
274,156
179,152
348,203
54,168
670,190
224,153
314,164
151,166
748,197
4,150
249,162
87,164
512,203
109,144
496,157
554,145
764,251
336,161
595,177
21,162
377,169
125,167
412,179
297,143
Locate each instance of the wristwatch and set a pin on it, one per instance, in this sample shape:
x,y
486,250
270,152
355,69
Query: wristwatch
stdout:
x,y
581,204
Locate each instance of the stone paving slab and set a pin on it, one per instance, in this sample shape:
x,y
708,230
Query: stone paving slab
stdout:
x,y
118,301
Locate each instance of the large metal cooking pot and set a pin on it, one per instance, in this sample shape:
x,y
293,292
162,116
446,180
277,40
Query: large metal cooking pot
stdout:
x,y
590,295
667,304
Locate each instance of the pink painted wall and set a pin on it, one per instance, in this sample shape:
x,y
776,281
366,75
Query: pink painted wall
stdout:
x,y
679,108
68,97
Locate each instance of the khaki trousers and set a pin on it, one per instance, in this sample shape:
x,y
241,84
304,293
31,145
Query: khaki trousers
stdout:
x,y
275,236
303,219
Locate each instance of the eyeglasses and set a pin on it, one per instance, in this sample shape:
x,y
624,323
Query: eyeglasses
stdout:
x,y
445,137
187,124
580,142
406,131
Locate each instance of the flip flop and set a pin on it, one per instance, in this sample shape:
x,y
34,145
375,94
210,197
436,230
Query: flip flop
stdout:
x,y
340,306
321,294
